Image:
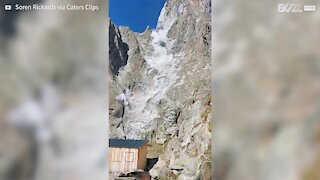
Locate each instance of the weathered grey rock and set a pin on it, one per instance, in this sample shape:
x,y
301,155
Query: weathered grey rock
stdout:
x,y
161,140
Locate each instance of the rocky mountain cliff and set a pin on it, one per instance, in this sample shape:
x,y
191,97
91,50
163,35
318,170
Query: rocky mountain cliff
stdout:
x,y
159,88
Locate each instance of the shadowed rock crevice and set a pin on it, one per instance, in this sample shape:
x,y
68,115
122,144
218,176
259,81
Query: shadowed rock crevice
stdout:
x,y
118,50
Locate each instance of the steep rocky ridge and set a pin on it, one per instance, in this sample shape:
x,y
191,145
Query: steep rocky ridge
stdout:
x,y
163,92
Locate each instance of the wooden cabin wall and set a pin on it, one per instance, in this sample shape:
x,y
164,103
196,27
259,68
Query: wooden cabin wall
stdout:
x,y
123,159
142,157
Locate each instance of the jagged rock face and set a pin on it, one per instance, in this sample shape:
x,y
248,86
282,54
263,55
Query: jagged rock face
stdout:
x,y
118,50
166,83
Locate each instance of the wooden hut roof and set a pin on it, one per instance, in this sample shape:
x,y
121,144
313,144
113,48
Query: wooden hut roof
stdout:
x,y
126,143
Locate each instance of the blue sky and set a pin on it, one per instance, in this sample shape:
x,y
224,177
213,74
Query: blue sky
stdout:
x,y
137,14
